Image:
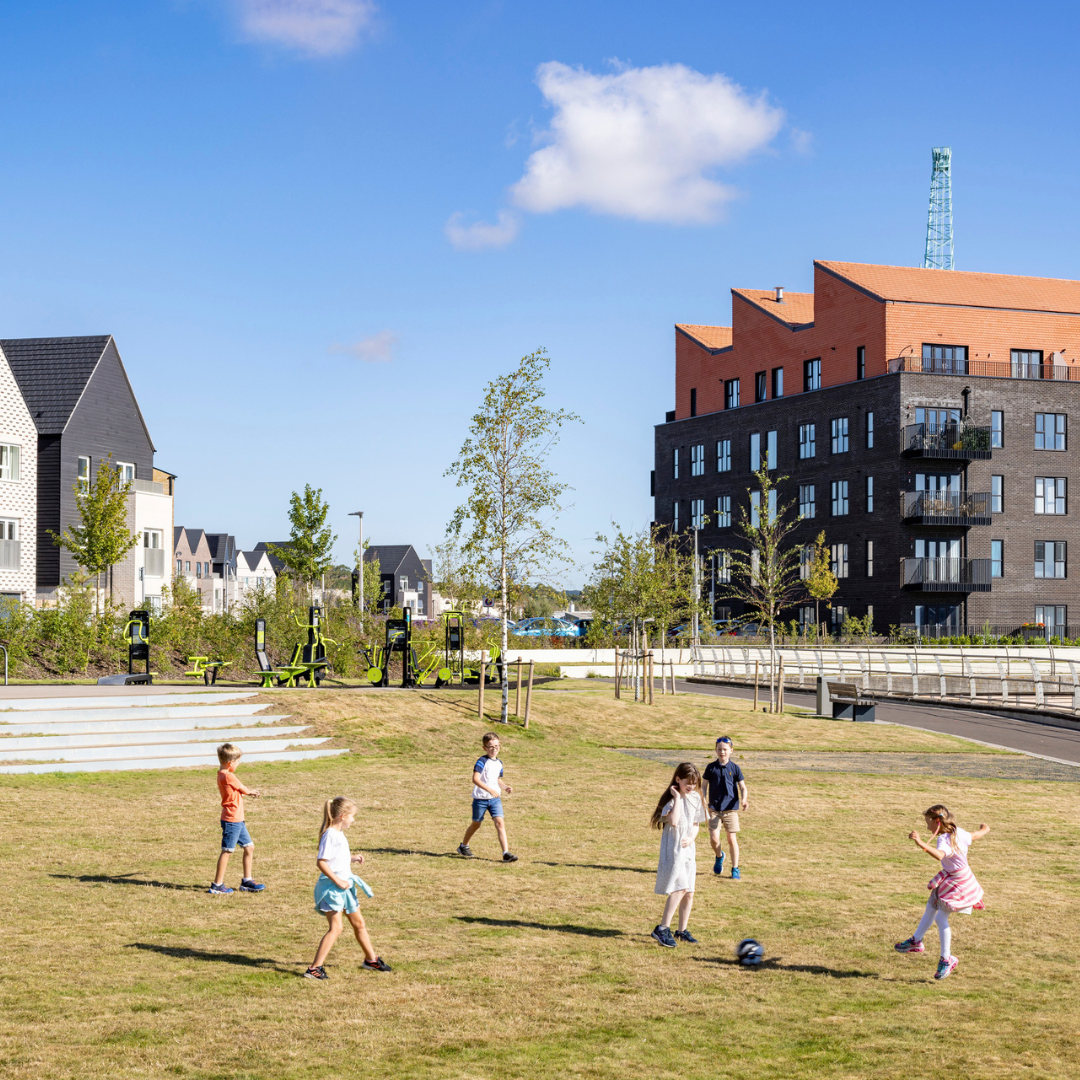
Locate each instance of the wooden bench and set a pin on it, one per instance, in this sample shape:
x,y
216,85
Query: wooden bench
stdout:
x,y
848,703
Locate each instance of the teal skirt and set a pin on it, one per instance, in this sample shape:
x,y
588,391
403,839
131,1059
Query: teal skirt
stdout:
x,y
329,898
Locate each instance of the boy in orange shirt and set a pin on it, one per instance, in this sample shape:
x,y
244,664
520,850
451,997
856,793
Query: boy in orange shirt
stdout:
x,y
233,829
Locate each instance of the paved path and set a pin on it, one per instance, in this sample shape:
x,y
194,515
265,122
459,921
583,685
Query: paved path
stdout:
x,y
1057,740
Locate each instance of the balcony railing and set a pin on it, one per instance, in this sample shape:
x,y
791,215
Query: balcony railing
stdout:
x,y
10,554
154,562
945,507
956,440
993,369
946,575
152,486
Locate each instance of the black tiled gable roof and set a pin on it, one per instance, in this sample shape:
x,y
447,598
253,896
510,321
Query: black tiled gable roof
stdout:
x,y
390,556
52,374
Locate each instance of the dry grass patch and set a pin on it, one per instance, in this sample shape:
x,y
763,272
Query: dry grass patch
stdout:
x,y
115,963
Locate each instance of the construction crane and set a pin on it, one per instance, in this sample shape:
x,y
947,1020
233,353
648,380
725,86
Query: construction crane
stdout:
x,y
939,231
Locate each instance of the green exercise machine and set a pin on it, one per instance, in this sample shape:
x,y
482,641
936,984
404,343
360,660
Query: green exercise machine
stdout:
x,y
137,636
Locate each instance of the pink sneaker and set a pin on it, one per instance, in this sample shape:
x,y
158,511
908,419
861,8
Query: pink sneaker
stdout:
x,y
910,945
946,967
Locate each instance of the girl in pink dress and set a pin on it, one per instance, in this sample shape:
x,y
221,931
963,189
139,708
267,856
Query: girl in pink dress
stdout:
x,y
953,888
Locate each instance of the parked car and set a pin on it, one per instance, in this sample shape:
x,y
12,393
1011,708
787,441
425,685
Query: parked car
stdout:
x,y
545,626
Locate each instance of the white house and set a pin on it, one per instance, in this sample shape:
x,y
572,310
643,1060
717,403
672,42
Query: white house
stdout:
x,y
253,571
18,491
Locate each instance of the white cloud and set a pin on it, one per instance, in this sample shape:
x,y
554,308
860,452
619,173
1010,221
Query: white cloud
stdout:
x,y
316,27
642,142
482,234
802,142
376,349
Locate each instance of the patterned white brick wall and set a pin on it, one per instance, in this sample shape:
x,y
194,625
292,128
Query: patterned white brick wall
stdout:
x,y
18,498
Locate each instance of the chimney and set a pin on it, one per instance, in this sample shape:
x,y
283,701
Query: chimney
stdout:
x,y
779,294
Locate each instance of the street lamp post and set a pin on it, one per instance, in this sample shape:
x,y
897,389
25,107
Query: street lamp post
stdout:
x,y
360,556
695,632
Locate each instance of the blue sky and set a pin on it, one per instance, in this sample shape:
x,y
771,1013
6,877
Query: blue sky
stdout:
x,y
271,205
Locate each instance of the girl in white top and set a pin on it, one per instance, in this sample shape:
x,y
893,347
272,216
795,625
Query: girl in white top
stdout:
x,y
679,813
335,891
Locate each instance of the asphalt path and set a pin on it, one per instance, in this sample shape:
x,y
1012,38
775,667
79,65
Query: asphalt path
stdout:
x,y
1045,737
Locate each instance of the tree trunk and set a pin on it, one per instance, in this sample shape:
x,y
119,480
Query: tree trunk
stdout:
x,y
772,659
504,645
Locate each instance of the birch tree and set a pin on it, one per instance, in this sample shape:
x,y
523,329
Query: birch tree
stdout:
x,y
504,527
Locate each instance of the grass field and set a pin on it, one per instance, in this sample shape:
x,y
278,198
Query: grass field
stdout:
x,y
115,962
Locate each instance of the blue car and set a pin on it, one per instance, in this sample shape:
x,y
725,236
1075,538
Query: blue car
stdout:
x,y
545,626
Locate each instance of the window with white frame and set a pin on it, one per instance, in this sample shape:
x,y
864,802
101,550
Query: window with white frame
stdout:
x,y
839,498
9,461
125,471
9,528
723,567
839,563
1050,431
997,494
697,513
697,460
403,583
807,506
997,429
723,511
840,435
152,538
807,445
179,566
723,455
83,474
1049,494
1049,559
869,558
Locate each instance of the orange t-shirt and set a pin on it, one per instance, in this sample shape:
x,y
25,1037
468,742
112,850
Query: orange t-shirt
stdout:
x,y
232,793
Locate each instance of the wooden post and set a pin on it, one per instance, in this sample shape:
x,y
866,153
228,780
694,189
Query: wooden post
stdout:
x,y
483,670
618,675
517,689
780,690
650,677
672,664
757,666
528,693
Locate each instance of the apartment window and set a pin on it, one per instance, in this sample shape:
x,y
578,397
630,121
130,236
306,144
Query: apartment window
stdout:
x,y
839,564
1026,363
839,616
777,382
125,471
675,463
675,515
731,393
198,569
807,507
179,566
869,558
1049,431
403,584
997,494
1049,494
187,566
997,558
9,462
811,375
723,455
997,429
693,402
152,538
840,435
755,509
807,617
806,560
1049,559
83,474
860,362
945,359
869,431
807,445
761,386
755,452
723,511
723,567
1052,616
869,494
770,450
839,498
772,506
697,460
697,513
9,528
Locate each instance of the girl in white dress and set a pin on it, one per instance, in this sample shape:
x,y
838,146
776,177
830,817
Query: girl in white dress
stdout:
x,y
678,813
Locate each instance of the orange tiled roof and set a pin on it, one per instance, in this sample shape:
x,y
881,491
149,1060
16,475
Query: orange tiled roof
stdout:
x,y
797,308
962,287
711,337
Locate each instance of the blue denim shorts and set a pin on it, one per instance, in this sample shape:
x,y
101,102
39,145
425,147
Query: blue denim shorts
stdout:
x,y
233,833
482,806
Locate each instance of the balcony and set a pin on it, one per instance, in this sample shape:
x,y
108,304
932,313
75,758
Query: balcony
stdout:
x,y
992,369
958,441
10,554
945,507
153,487
154,562
946,575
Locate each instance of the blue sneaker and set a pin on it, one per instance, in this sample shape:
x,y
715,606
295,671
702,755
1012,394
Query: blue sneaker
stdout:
x,y
248,885
685,935
665,937
946,967
718,864
219,890
735,875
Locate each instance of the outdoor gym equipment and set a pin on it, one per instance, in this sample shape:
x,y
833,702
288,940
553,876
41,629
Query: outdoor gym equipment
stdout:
x,y
207,668
399,639
454,651
137,636
311,658
286,675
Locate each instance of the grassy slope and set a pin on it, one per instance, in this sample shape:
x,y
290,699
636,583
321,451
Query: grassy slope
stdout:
x,y
544,967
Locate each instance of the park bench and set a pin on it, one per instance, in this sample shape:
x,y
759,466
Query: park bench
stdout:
x,y
206,668
848,702
285,676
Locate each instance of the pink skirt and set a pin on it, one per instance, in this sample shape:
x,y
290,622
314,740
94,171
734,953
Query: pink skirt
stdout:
x,y
958,891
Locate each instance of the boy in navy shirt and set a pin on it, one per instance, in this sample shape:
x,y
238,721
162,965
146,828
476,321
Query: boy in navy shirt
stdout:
x,y
726,788
487,792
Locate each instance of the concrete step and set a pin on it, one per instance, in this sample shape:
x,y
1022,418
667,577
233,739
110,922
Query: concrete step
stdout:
x,y
12,748
122,700
31,726
165,749
127,764
138,713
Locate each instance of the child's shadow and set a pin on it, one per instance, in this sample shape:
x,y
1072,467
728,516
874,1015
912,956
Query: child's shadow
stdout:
x,y
182,953
127,879
774,964
564,928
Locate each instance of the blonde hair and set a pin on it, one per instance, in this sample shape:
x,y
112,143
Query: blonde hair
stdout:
x,y
334,810
226,752
943,816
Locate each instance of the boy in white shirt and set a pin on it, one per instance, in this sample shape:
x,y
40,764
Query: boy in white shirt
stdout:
x,y
487,792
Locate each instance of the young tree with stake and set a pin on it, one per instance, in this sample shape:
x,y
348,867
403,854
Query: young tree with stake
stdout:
x,y
504,525
307,554
820,582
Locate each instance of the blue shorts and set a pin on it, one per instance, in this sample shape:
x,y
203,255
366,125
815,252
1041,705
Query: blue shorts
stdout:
x,y
482,806
233,833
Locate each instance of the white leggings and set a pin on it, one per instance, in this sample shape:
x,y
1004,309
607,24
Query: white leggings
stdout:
x,y
941,917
